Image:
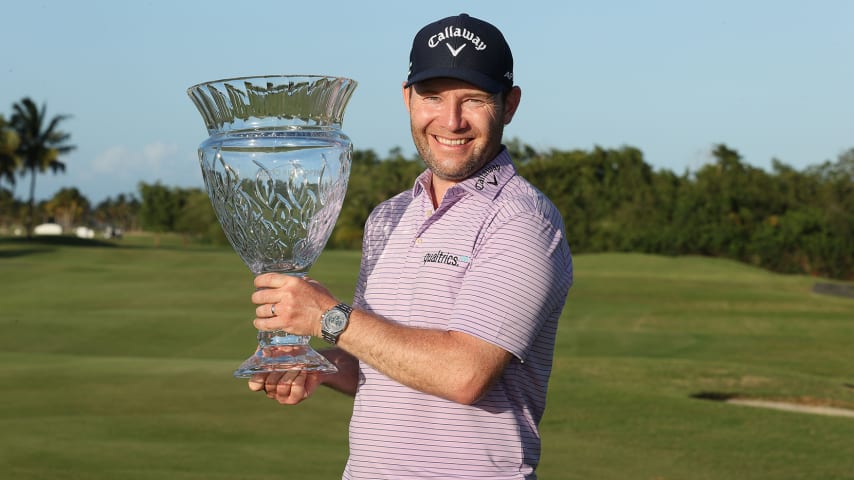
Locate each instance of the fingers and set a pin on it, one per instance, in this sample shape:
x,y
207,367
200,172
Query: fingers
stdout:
x,y
269,286
271,386
267,310
257,381
265,318
287,388
270,289
272,280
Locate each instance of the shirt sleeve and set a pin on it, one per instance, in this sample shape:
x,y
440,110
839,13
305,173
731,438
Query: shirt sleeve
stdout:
x,y
519,276
366,259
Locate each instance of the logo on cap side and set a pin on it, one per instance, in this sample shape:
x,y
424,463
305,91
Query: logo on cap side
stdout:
x,y
452,32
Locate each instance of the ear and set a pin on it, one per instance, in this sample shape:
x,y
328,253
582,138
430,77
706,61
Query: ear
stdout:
x,y
406,94
514,96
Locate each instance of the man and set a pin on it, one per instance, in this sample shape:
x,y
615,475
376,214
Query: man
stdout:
x,y
449,344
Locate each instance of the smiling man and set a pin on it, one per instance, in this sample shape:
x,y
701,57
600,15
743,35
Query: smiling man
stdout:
x,y
448,344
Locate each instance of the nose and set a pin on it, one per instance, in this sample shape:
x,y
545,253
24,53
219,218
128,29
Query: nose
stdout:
x,y
452,116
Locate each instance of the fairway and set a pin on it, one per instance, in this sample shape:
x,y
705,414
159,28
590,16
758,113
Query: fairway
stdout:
x,y
116,360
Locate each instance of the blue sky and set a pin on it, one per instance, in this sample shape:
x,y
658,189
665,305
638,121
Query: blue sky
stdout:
x,y
771,79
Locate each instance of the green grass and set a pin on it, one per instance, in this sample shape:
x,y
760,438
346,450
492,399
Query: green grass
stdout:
x,y
116,360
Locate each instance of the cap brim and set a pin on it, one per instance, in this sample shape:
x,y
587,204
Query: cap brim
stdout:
x,y
475,78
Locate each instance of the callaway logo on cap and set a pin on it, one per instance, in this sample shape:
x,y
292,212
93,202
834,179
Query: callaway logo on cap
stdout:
x,y
464,48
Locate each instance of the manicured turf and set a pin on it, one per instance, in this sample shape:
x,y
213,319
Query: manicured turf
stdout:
x,y
116,360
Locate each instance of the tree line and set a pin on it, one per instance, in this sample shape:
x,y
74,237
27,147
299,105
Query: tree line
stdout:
x,y
784,220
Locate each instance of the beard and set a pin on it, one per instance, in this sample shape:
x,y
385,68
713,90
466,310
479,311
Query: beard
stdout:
x,y
450,169
454,169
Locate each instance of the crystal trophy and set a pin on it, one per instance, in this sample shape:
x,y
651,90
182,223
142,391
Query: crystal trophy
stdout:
x,y
276,166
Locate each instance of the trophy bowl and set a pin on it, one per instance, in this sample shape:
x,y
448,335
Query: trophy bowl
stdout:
x,y
276,166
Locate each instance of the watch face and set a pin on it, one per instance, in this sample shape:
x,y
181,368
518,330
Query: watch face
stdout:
x,y
335,320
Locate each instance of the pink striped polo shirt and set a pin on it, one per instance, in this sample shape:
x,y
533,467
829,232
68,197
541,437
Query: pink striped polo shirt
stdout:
x,y
493,262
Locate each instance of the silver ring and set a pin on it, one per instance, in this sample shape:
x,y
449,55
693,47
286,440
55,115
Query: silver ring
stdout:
x,y
273,308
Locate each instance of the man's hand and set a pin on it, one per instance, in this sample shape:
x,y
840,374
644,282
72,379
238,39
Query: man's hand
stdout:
x,y
290,303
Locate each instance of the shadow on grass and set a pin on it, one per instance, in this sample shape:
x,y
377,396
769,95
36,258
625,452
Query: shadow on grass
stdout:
x,y
835,289
11,247
21,246
23,252
716,396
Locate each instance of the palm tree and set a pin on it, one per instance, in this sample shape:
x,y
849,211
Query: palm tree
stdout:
x,y
68,207
10,162
41,145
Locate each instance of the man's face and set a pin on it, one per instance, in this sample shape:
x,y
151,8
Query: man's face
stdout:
x,y
457,128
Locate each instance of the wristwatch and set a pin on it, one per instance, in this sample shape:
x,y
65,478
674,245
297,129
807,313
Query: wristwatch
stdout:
x,y
334,321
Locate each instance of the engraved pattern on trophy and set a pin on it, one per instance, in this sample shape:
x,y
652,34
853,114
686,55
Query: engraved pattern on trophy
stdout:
x,y
277,217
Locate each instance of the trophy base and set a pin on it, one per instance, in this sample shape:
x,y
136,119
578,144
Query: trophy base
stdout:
x,y
284,358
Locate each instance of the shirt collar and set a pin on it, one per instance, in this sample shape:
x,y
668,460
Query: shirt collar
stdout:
x,y
487,182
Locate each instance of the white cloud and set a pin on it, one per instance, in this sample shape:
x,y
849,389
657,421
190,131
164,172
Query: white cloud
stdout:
x,y
111,160
151,161
154,154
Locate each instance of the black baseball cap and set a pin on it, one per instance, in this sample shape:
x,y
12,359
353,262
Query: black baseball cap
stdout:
x,y
464,48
